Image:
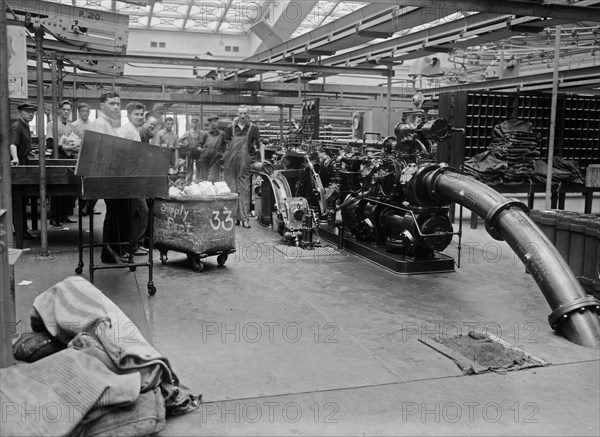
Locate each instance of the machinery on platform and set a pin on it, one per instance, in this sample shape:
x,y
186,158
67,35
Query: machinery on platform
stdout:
x,y
382,215
295,218
387,199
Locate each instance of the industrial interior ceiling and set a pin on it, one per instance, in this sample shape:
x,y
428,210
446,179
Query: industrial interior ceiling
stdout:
x,y
431,45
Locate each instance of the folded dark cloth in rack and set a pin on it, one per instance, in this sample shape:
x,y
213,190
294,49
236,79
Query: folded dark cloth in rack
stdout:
x,y
521,138
490,180
512,125
504,145
486,162
562,171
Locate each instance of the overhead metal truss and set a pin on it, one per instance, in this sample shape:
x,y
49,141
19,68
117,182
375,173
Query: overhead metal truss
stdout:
x,y
362,38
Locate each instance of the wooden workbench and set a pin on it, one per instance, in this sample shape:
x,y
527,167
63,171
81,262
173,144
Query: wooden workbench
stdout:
x,y
558,194
60,181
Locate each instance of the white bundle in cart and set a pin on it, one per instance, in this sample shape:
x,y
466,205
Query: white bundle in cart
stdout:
x,y
199,188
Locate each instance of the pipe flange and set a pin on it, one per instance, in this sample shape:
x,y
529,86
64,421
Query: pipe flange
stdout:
x,y
432,179
416,191
563,311
492,215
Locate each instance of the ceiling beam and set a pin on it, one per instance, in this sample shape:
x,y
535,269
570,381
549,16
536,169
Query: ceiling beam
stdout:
x,y
535,9
327,14
150,16
187,14
148,83
91,96
329,30
232,65
542,81
433,36
224,15
283,26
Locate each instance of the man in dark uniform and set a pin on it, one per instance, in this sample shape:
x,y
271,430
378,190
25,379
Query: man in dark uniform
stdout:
x,y
20,145
20,135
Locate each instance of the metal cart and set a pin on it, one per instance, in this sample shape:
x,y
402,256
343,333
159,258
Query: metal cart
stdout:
x,y
199,226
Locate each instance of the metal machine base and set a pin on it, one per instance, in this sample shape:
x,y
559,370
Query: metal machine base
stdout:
x,y
385,256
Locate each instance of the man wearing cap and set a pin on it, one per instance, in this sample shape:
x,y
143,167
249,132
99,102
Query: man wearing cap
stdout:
x,y
189,143
212,147
20,135
20,145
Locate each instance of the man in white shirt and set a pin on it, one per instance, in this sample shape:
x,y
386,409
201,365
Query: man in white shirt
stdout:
x,y
138,207
116,220
66,148
83,122
79,127
62,207
135,115
109,117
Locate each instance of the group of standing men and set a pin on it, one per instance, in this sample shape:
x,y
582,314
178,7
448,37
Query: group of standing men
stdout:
x,y
232,150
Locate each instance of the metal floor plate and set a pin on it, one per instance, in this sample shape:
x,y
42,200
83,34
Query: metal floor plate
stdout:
x,y
299,252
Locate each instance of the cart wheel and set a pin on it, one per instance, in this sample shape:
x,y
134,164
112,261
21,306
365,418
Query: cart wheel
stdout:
x,y
197,263
151,290
78,270
221,259
163,258
132,269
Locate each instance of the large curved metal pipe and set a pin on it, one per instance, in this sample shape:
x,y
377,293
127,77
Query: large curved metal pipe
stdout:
x,y
574,314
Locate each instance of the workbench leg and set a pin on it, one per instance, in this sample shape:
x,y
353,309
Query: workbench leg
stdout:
x,y
34,213
151,287
553,200
18,217
561,200
91,263
589,197
80,264
474,219
530,198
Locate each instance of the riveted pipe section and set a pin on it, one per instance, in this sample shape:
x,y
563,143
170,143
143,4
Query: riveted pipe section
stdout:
x,y
574,314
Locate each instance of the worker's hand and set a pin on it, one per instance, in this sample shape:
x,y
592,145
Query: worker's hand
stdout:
x,y
14,162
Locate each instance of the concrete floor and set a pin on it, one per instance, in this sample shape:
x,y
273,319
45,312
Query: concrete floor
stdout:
x,y
330,345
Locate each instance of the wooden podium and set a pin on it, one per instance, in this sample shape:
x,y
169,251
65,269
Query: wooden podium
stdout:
x,y
111,167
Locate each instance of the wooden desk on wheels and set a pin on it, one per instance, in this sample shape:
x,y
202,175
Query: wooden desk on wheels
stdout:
x,y
60,181
558,194
116,168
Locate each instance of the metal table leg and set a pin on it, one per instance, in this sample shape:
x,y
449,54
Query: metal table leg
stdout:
x,y
80,264
91,263
151,287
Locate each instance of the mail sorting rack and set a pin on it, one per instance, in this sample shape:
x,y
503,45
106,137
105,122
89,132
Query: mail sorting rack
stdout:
x,y
115,168
580,129
577,128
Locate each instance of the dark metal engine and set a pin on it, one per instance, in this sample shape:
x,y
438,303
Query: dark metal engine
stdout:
x,y
376,183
